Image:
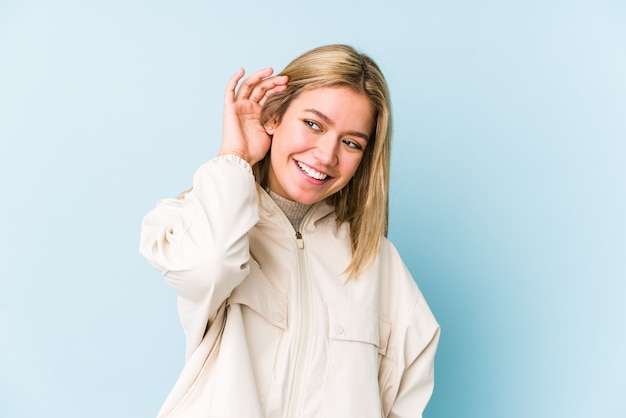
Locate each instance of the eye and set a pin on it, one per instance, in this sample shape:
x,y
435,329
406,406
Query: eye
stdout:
x,y
352,144
313,125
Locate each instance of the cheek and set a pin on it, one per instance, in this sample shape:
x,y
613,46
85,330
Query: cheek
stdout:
x,y
355,163
287,140
280,145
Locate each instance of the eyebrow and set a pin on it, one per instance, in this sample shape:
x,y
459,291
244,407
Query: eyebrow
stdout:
x,y
331,123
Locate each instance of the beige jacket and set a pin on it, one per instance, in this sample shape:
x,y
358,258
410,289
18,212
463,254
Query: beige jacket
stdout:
x,y
273,328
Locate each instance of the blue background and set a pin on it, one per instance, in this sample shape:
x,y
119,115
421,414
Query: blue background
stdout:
x,y
508,188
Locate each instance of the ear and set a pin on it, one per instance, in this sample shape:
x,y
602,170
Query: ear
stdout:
x,y
270,126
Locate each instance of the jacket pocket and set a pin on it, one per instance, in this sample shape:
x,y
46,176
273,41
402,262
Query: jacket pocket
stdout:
x,y
359,324
358,340
265,301
264,317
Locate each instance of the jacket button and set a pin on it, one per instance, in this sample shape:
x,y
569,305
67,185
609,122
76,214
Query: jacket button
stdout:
x,y
279,317
339,329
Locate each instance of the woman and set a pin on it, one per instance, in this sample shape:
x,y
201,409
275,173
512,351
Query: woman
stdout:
x,y
294,303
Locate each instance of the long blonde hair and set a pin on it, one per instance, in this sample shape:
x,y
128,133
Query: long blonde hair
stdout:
x,y
364,201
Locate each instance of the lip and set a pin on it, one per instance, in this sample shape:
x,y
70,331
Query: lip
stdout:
x,y
309,178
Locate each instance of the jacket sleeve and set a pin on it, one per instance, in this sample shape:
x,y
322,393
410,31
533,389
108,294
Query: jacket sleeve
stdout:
x,y
199,242
417,377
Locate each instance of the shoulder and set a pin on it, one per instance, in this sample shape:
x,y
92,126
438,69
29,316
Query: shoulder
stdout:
x,y
400,298
395,278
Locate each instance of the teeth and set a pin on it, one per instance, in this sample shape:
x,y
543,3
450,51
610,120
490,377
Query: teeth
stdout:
x,y
311,172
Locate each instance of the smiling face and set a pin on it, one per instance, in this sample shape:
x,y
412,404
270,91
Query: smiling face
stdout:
x,y
319,143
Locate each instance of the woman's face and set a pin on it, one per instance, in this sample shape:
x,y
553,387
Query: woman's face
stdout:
x,y
319,143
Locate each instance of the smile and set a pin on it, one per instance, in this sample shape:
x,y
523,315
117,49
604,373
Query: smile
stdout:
x,y
311,172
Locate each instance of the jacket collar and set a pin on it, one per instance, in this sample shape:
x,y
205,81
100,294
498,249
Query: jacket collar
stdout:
x,y
268,209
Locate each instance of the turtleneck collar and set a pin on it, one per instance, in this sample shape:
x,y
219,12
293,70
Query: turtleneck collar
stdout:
x,y
295,211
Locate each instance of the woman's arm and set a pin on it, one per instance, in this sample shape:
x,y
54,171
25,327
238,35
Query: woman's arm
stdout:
x,y
417,381
199,242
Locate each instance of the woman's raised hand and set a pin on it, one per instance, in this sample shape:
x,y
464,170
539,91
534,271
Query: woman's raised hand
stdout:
x,y
242,131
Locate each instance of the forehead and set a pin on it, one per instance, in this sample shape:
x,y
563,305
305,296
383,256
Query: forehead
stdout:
x,y
342,105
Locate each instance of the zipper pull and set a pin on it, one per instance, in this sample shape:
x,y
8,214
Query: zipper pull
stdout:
x,y
299,240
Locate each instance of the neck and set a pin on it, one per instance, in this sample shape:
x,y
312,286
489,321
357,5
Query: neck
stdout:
x,y
294,211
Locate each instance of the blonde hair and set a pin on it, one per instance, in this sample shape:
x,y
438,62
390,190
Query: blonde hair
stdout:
x,y
364,201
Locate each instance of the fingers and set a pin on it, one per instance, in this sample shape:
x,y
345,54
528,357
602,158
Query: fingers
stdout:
x,y
246,89
229,94
257,88
276,89
266,88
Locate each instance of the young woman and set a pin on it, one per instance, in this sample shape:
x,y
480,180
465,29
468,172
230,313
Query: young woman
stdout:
x,y
293,302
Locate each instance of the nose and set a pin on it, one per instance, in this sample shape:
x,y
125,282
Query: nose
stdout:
x,y
326,150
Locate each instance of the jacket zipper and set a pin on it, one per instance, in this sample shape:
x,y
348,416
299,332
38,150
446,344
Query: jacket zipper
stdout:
x,y
304,332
